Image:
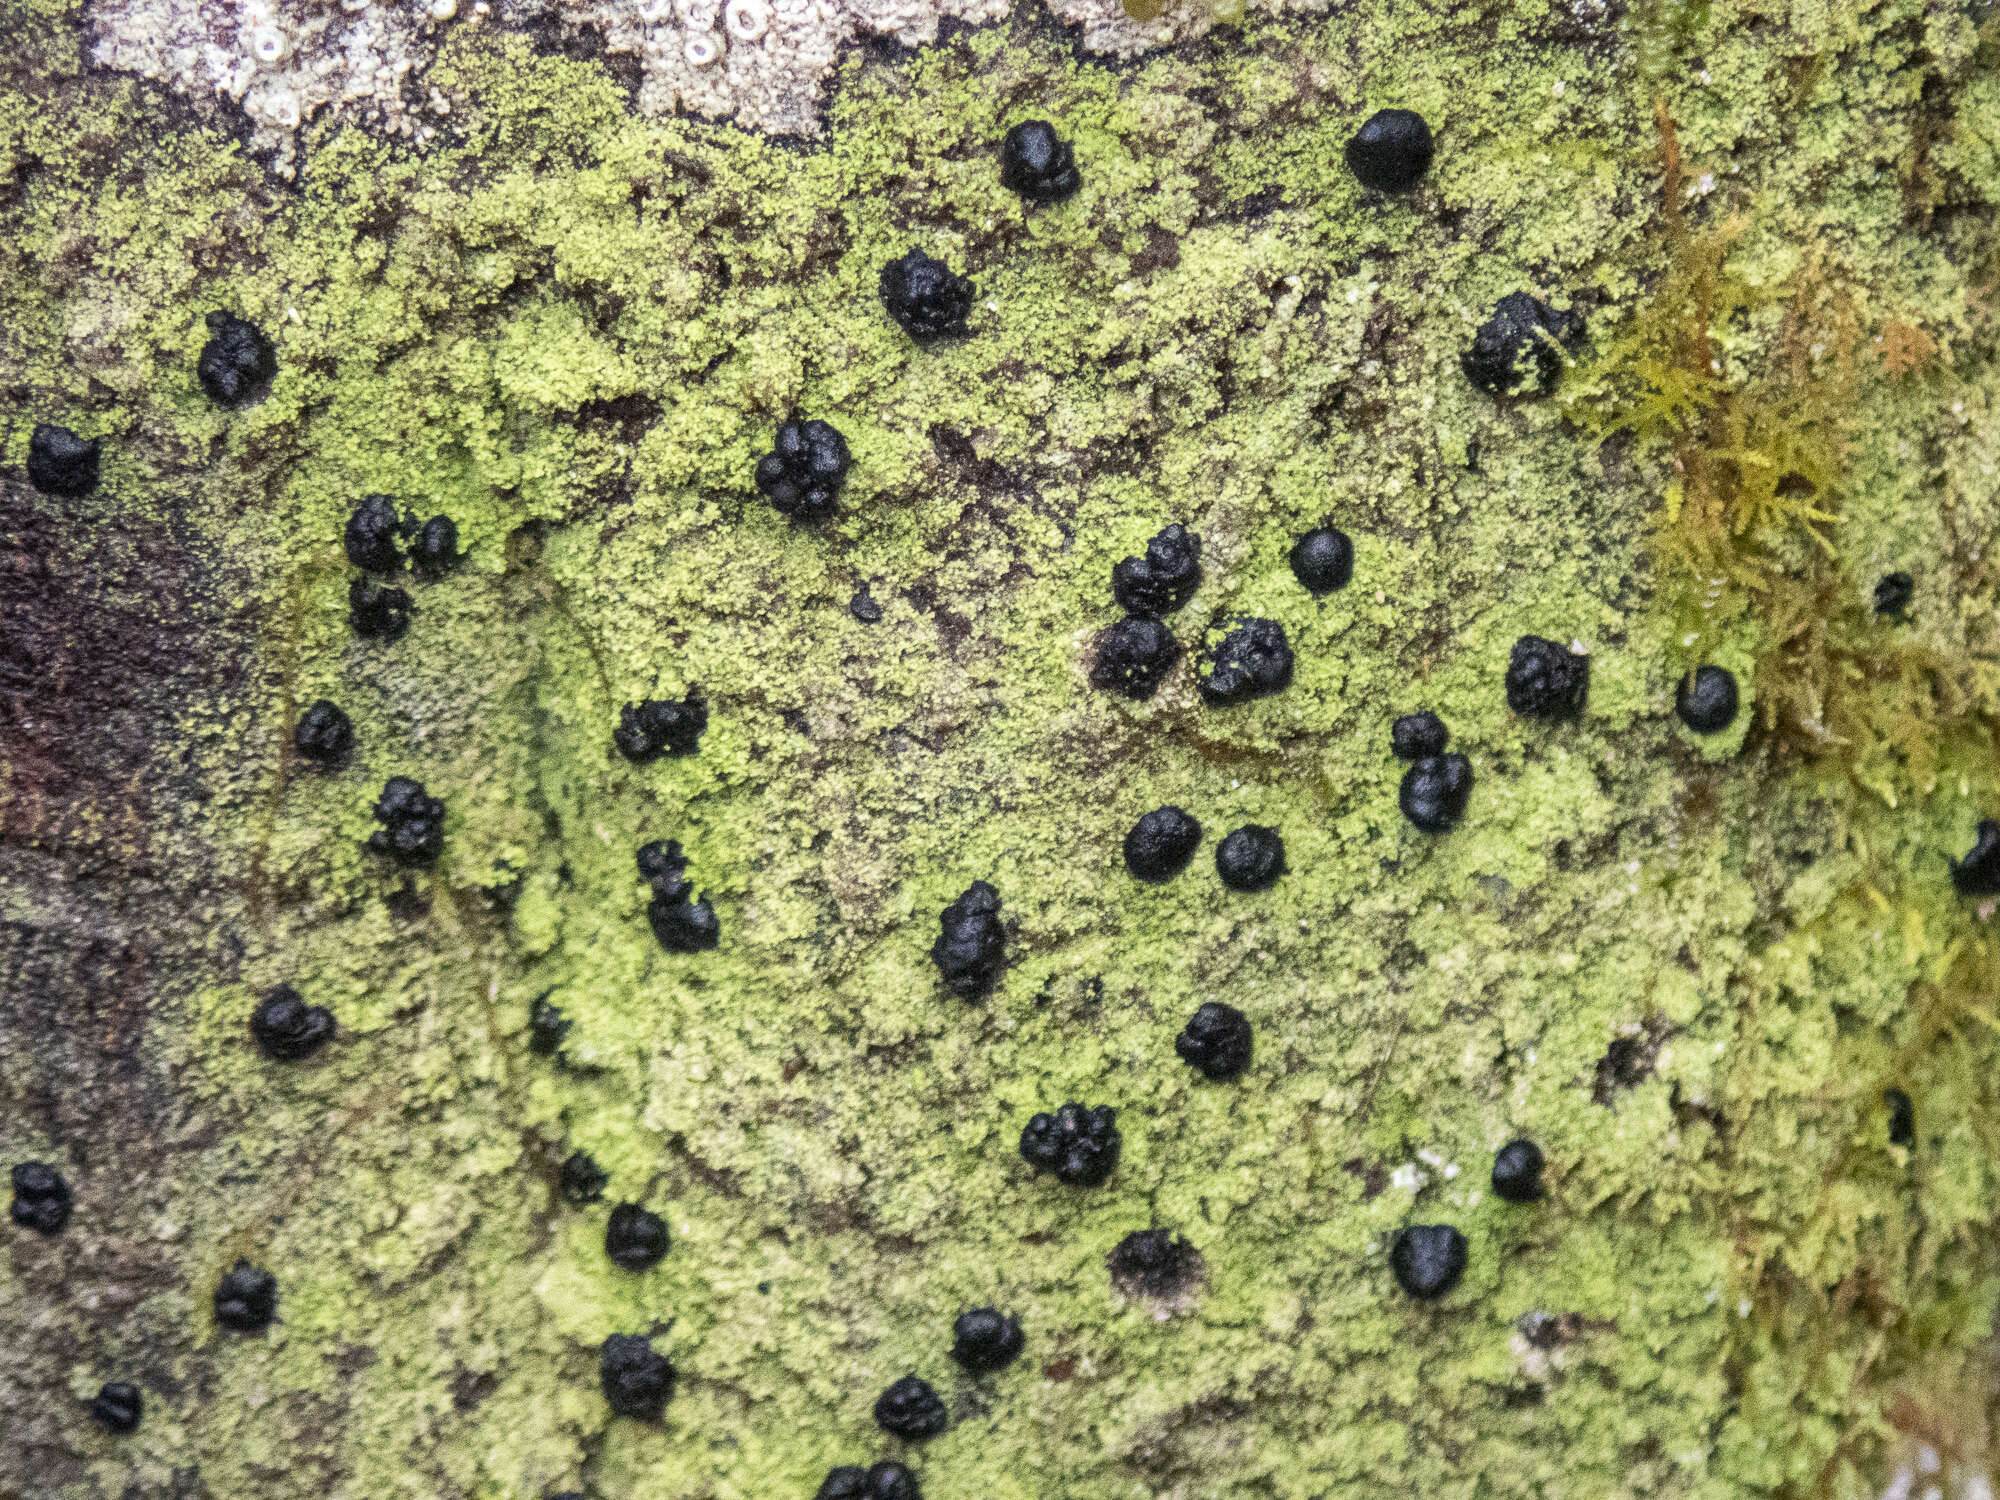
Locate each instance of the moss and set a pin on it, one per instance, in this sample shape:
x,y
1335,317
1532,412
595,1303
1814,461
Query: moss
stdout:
x,y
1687,972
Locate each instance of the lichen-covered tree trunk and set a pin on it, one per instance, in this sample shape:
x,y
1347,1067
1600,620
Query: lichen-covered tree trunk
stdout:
x,y
1690,967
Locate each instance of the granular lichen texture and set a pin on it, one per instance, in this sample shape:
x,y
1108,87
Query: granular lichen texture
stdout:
x,y
1692,968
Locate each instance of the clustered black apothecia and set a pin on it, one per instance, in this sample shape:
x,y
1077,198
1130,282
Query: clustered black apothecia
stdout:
x,y
1164,579
42,1198
1517,1171
1428,1260
1251,858
681,922
377,611
1134,657
372,533
324,734
1521,347
885,1481
412,831
1706,700
1160,845
971,946
1216,1041
375,536
636,1378
118,1406
1434,792
246,1299
61,463
802,474
1323,560
1391,151
583,1180
635,1238
926,297
236,360
1546,680
863,606
286,1028
1978,874
661,726
1252,660
1078,1144
910,1409
1037,163
1153,1263
547,1026
1436,787
984,1339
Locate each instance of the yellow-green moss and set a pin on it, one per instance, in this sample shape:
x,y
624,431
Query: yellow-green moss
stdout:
x,y
573,331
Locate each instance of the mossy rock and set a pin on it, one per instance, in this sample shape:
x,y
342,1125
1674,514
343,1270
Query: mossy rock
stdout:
x,y
1687,966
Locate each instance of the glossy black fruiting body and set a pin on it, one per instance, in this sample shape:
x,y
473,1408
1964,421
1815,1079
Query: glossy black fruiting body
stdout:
x,y
926,297
1517,1171
1323,560
324,734
888,1481
1893,593
1134,657
635,1238
802,474
1428,1260
971,945
1978,874
863,606
681,922
60,462
1076,1143
583,1179
1251,858
235,361
660,726
246,1299
911,1410
1706,700
1216,1041
377,612
412,831
637,1379
1162,580
372,534
1159,846
1902,1118
984,1339
1546,680
1434,792
1152,1263
1521,346
433,545
1419,735
1037,163
1253,660
1391,151
118,1406
547,1026
42,1199
284,1027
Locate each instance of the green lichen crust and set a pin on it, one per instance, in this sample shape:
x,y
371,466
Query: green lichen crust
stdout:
x,y
1687,968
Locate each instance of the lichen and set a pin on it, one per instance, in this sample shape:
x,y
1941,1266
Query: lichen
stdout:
x,y
1686,971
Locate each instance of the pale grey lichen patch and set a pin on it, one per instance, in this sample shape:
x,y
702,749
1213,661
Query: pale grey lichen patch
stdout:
x,y
763,63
